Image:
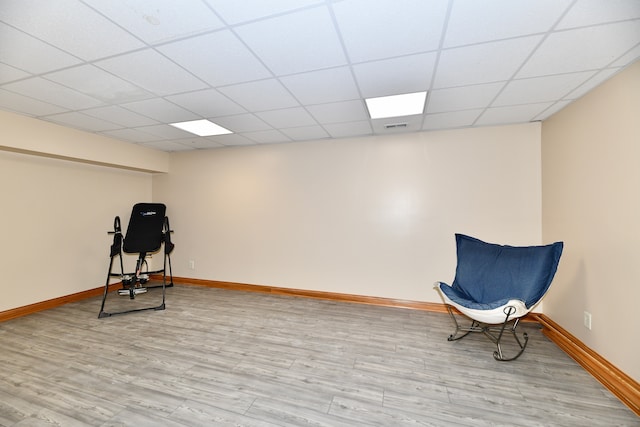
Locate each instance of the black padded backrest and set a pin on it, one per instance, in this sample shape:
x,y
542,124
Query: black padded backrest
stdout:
x,y
144,232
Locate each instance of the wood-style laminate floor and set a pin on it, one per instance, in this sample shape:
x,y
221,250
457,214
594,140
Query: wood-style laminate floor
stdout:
x,y
229,358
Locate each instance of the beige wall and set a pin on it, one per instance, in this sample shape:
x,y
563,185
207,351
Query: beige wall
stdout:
x,y
56,213
55,217
368,216
591,200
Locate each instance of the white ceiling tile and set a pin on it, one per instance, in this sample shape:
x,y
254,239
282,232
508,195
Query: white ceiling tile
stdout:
x,y
242,123
207,103
305,133
484,63
70,26
297,42
53,93
120,116
157,21
406,74
256,9
376,30
349,129
206,143
474,21
552,110
451,120
629,57
592,83
337,112
590,12
81,121
260,96
266,136
9,73
131,135
41,57
231,140
582,49
165,132
153,72
511,114
288,117
540,89
219,59
161,110
25,105
462,98
318,87
99,84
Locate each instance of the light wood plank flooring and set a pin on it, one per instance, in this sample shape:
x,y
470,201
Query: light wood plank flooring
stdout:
x,y
231,358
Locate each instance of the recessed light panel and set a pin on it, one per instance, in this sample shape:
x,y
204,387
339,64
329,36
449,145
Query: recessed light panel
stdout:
x,y
202,128
396,105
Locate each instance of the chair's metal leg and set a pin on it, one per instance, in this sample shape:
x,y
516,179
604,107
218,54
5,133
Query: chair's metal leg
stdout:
x,y
498,354
106,291
164,291
495,334
164,282
164,285
133,290
475,327
168,258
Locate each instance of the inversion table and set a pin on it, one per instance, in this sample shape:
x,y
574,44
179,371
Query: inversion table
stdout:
x,y
147,232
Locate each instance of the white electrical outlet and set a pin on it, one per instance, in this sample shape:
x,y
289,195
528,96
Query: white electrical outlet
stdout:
x,y
192,264
587,320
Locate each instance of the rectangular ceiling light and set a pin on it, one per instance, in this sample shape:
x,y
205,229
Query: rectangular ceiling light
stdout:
x,y
202,128
396,105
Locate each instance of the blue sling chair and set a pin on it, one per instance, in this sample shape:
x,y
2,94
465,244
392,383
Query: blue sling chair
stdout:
x,y
147,232
496,285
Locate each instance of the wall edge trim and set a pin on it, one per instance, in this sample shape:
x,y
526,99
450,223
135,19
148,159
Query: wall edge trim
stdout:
x,y
616,381
333,296
53,303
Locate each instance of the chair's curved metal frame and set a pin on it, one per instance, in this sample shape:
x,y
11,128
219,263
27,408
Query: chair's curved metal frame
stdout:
x,y
494,332
132,282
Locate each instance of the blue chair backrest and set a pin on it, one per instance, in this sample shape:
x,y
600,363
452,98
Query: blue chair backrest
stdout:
x,y
487,272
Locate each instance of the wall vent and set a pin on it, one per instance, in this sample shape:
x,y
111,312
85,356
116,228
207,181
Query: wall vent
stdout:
x,y
395,125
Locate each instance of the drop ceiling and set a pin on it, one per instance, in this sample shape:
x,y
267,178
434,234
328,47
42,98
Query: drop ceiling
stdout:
x,y
293,70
